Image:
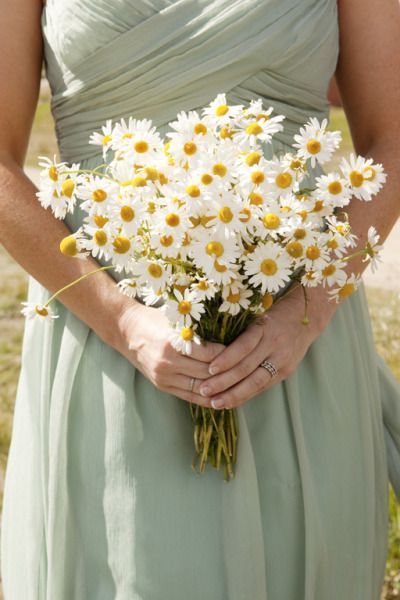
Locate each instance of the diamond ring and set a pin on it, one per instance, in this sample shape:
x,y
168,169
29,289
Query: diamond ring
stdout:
x,y
272,370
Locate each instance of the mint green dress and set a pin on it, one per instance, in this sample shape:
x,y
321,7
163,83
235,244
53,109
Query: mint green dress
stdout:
x,y
100,501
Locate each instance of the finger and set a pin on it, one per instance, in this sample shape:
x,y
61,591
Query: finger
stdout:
x,y
259,380
187,384
206,351
218,383
189,396
237,350
185,365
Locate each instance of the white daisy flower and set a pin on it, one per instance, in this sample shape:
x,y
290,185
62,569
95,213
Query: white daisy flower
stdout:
x,y
220,113
185,309
204,288
333,274
267,267
182,338
316,256
103,139
38,312
364,178
235,298
211,250
128,287
334,189
346,289
373,249
97,194
99,241
151,296
142,144
122,252
152,273
316,144
257,128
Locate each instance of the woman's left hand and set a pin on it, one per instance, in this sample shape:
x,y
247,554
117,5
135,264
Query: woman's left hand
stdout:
x,y
279,336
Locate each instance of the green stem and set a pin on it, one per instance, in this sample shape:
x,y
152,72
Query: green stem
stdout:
x,y
92,171
76,281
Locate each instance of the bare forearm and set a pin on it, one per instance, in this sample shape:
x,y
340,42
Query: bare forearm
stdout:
x,y
32,236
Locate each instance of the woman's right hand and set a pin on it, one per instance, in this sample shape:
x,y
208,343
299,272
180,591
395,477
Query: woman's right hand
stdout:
x,y
144,339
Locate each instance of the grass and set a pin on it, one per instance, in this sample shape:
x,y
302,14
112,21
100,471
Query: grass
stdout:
x,y
384,308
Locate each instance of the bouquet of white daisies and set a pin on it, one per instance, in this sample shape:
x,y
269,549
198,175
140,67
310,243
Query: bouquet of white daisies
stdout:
x,y
205,225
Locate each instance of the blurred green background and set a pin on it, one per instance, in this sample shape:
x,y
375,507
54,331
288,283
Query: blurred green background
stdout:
x,y
384,308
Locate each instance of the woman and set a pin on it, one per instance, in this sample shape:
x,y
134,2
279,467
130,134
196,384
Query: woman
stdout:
x,y
100,500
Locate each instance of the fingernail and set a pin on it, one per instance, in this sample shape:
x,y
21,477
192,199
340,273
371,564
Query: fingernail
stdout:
x,y
213,370
217,403
205,391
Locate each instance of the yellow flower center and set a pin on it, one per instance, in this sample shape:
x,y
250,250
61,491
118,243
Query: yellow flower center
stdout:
x,y
43,312
106,139
190,148
346,290
253,158
256,199
267,301
295,249
127,136
127,213
99,195
220,169
268,267
299,233
184,307
151,207
203,285
193,191
139,181
245,215
141,146
187,334
329,270
163,179
370,173
313,252
68,246
53,173
233,298
257,177
271,221
225,133
154,270
219,268
332,244
254,129
100,237
151,173
200,128
335,187
356,178
67,187
206,178
283,180
166,240
172,220
214,249
296,164
121,244
263,116
225,214
221,110
313,146
318,206
100,221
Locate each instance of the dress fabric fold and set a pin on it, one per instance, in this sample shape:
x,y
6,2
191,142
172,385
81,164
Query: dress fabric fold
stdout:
x,y
100,501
